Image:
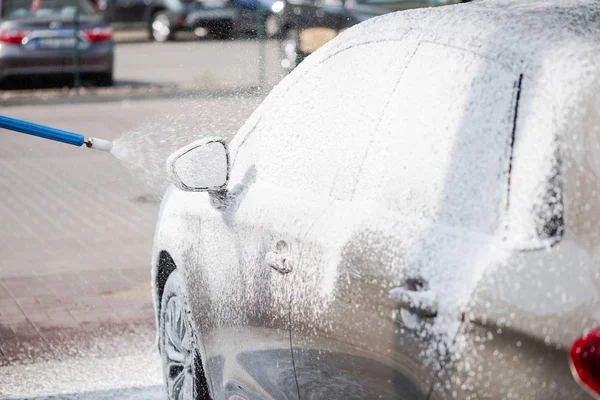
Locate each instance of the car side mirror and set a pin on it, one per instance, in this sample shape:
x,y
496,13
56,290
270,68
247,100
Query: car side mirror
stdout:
x,y
201,166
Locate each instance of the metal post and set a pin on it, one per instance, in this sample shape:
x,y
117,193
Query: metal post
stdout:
x,y
76,82
261,46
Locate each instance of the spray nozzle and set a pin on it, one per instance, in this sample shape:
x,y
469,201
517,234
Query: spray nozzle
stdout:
x,y
99,144
57,135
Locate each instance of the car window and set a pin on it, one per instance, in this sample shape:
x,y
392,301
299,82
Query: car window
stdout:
x,y
23,9
442,149
536,214
318,144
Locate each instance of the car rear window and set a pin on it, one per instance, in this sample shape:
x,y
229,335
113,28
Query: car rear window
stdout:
x,y
34,9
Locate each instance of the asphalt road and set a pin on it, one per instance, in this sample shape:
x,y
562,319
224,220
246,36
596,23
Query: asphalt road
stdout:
x,y
76,228
200,63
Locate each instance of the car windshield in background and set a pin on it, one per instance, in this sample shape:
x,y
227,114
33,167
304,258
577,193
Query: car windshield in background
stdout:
x,y
41,9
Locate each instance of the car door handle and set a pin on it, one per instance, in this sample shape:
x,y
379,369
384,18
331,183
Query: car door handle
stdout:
x,y
281,262
423,303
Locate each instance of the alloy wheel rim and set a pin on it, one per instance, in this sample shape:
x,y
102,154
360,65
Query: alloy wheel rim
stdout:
x,y
161,27
179,352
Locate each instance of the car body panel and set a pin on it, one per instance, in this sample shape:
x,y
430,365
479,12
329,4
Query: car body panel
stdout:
x,y
512,295
532,321
239,359
260,368
382,220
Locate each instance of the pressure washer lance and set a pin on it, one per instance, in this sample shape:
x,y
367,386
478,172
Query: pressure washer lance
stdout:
x,y
57,135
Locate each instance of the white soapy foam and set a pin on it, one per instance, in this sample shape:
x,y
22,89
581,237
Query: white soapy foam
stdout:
x,y
387,154
109,378
144,150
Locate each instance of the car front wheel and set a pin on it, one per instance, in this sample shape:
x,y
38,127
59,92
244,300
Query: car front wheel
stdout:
x,y
182,366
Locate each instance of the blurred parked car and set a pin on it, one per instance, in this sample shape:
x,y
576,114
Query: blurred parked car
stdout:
x,y
306,25
163,18
98,5
37,39
412,213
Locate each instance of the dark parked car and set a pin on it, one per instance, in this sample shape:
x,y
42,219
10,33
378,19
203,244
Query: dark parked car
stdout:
x,y
306,25
37,38
412,213
163,18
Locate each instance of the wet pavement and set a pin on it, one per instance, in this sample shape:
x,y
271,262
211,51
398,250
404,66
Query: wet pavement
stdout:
x,y
76,229
97,373
60,315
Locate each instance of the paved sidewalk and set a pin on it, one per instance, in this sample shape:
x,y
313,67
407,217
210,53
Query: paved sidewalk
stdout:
x,y
72,314
76,229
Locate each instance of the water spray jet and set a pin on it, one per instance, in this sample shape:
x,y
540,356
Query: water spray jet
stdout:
x,y
57,135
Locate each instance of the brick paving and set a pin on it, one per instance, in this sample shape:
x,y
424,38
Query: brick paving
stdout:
x,y
75,235
76,230
66,314
73,244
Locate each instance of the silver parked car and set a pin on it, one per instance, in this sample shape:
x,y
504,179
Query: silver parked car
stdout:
x,y
411,214
38,38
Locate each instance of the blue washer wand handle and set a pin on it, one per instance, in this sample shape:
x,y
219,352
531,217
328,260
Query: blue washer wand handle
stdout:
x,y
57,135
41,131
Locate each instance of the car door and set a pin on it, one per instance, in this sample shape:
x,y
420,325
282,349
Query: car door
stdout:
x,y
287,163
253,248
543,293
392,266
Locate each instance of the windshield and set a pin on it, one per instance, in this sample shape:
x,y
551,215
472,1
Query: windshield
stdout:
x,y
27,9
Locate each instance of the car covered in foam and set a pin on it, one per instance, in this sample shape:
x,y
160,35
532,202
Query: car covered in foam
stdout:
x,y
412,213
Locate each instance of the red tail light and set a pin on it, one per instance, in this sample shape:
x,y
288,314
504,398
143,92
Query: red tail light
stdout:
x,y
98,35
13,36
585,362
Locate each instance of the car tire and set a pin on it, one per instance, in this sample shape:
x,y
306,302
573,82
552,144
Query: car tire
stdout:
x,y
104,80
223,31
291,52
161,29
179,348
